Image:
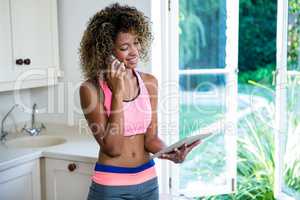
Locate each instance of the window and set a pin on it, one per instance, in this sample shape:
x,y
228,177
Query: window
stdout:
x,y
199,79
287,185
199,59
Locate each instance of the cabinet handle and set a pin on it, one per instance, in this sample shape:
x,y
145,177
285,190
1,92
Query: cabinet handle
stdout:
x,y
27,61
19,61
72,167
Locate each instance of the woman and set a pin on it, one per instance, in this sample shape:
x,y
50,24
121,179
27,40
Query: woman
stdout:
x,y
120,104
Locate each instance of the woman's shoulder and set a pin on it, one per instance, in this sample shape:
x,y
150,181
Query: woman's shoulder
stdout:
x,y
150,82
148,78
92,86
88,84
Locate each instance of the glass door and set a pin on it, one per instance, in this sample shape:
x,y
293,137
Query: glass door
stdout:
x,y
287,185
203,73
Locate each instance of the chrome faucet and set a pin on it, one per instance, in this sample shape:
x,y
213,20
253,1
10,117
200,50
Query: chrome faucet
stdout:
x,y
3,132
33,130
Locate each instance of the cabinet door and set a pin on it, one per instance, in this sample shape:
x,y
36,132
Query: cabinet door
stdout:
x,y
34,34
29,34
6,67
21,182
62,184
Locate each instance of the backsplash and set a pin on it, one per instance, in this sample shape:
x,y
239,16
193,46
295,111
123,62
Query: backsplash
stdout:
x,y
8,99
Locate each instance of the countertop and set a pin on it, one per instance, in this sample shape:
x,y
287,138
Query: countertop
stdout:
x,y
80,145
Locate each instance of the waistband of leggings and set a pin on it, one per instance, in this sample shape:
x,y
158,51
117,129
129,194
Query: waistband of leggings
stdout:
x,y
126,170
123,176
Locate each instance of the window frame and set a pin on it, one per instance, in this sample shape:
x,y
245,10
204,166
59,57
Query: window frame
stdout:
x,y
158,54
162,59
281,116
168,42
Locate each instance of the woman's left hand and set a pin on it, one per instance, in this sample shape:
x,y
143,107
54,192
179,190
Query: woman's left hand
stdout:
x,y
178,154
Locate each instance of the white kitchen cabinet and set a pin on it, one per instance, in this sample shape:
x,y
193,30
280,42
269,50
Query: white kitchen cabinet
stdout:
x,y
21,182
66,179
29,55
5,41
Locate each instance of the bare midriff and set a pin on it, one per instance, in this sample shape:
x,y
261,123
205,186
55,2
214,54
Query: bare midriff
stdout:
x,y
133,153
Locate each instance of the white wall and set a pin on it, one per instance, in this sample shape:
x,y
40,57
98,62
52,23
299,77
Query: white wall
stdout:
x,y
61,103
7,100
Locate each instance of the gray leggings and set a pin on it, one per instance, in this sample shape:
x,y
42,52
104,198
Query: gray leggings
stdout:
x,y
144,191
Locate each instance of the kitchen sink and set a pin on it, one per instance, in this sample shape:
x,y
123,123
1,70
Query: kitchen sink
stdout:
x,y
35,141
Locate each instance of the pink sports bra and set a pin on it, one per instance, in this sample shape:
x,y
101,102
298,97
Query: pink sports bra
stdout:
x,y
137,112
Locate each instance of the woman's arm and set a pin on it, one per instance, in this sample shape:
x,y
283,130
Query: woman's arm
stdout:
x,y
153,143
107,131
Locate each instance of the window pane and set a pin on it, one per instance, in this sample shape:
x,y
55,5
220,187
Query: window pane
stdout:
x,y
202,34
292,138
294,35
202,102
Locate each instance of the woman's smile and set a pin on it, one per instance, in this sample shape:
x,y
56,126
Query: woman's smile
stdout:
x,y
133,60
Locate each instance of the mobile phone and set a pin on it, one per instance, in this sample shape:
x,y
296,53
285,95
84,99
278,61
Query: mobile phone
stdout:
x,y
110,59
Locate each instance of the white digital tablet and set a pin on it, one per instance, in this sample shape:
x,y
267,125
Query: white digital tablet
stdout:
x,y
188,140
202,134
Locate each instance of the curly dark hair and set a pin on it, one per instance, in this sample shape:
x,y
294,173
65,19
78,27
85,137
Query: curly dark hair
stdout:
x,y
99,37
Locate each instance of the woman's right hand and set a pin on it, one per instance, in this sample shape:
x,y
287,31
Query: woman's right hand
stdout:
x,y
115,77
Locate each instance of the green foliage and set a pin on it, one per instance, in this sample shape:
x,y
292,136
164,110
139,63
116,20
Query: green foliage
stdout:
x,y
292,163
257,42
256,162
263,75
255,159
256,166
294,35
202,37
292,167
201,46
257,34
290,179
